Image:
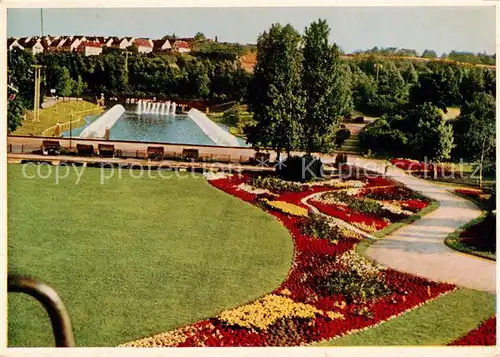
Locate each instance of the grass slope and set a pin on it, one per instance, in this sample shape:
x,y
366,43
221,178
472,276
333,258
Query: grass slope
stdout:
x,y
58,113
436,323
135,257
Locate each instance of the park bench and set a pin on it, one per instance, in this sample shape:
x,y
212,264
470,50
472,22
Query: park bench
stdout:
x,y
106,150
84,150
190,154
155,152
50,147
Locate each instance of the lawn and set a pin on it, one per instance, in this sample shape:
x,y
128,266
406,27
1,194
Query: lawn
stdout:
x,y
437,323
58,113
135,257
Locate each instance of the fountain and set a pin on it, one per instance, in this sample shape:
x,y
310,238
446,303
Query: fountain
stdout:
x,y
139,108
218,135
173,107
98,128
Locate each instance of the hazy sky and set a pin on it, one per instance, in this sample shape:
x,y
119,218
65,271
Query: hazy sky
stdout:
x,y
440,28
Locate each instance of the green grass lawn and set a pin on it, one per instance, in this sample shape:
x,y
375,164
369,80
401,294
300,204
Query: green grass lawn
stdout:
x,y
438,322
135,257
58,113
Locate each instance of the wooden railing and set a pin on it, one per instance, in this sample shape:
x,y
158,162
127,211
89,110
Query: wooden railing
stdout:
x,y
73,123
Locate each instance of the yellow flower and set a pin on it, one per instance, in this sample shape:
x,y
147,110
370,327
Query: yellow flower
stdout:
x,y
287,208
266,311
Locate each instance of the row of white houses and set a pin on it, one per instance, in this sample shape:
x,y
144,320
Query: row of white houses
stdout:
x,y
93,45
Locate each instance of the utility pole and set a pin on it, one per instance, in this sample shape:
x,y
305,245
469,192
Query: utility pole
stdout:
x,y
41,20
36,108
126,64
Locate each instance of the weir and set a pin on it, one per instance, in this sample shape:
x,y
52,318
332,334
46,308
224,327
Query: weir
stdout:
x,y
98,128
218,135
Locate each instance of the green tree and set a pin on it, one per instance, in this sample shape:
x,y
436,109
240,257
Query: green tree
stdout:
x,y
79,87
392,91
441,88
199,36
429,135
326,82
429,54
15,112
275,94
475,130
64,86
21,74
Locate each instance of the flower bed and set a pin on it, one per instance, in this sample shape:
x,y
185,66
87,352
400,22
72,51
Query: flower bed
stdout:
x,y
372,208
426,170
364,222
483,335
482,235
308,306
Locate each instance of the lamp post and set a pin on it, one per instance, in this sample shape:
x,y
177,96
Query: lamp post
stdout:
x,y
376,65
70,129
36,104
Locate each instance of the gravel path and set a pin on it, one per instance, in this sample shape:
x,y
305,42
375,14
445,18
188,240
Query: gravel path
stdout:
x,y
419,247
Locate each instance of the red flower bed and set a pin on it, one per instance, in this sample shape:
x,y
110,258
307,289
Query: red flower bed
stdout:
x,y
313,259
414,205
483,335
345,214
406,164
466,192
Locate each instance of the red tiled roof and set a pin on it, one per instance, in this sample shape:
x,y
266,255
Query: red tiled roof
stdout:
x,y
91,44
142,42
181,44
56,42
31,43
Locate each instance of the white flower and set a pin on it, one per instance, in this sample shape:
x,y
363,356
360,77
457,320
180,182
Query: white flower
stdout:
x,y
393,208
250,189
216,175
352,191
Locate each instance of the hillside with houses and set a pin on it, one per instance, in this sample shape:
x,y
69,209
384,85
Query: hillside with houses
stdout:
x,y
94,45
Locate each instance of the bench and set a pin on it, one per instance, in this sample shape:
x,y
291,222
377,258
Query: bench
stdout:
x,y
155,152
84,150
190,154
106,150
50,147
359,120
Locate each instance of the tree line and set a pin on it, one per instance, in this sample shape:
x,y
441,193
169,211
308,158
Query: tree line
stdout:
x,y
300,91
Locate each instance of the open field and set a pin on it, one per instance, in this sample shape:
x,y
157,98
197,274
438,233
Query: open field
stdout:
x,y
134,257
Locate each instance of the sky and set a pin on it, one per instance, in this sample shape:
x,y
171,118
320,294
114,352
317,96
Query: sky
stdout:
x,y
442,29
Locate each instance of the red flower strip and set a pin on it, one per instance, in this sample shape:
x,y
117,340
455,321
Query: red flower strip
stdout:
x,y
483,335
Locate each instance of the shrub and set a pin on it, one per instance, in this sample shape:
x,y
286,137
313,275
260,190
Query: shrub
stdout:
x,y
301,168
342,135
361,205
275,184
319,227
355,288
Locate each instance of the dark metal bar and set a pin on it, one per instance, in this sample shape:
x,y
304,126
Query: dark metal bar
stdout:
x,y
48,297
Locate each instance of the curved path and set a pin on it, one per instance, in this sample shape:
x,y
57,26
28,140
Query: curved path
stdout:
x,y
419,248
